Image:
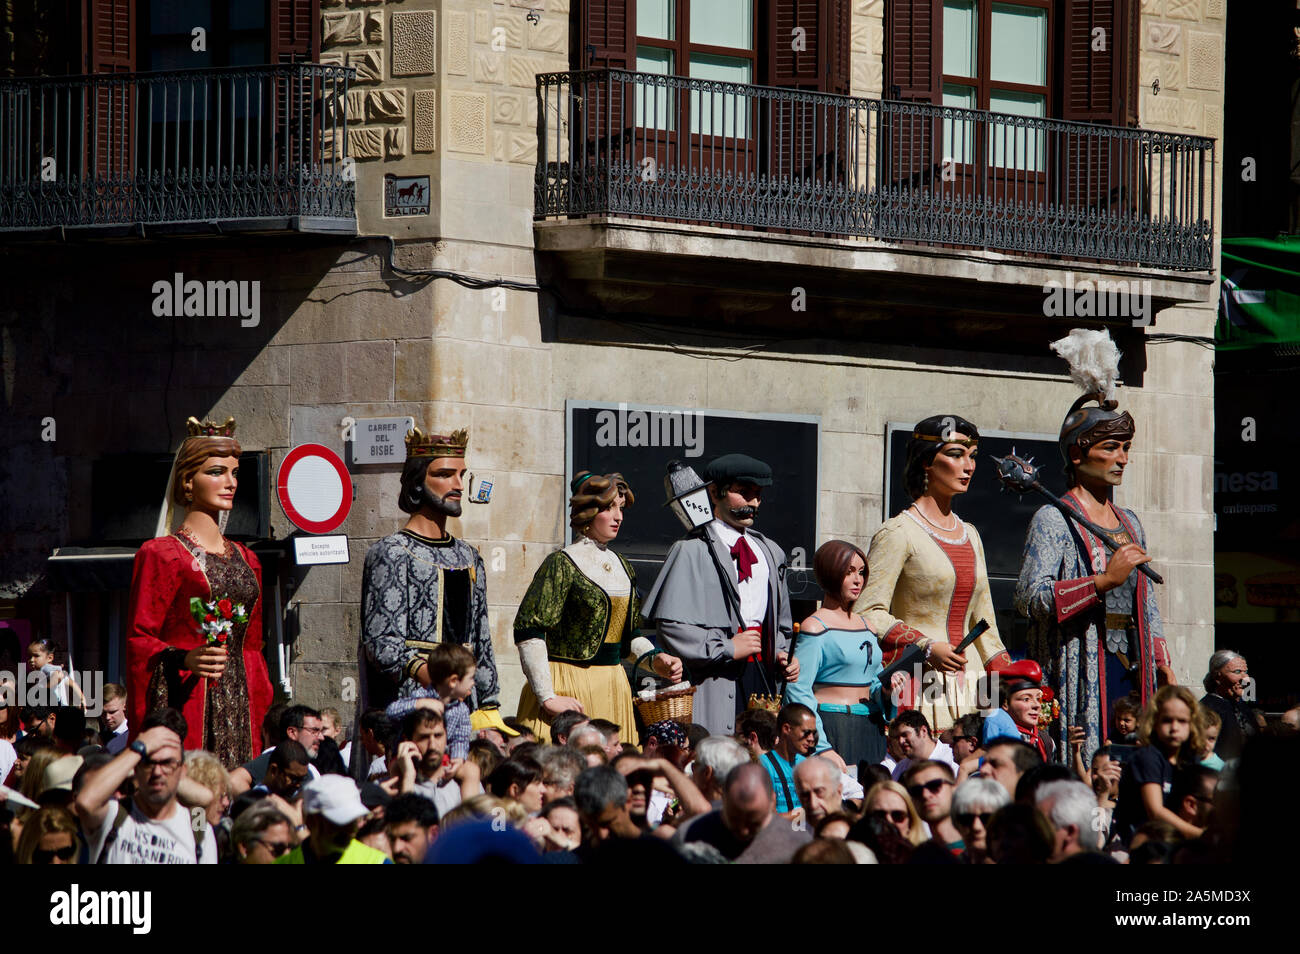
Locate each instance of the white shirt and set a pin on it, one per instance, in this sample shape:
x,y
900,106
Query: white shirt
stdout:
x,y
942,753
8,756
141,841
753,592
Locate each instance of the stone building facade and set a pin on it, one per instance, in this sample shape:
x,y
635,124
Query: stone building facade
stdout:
x,y
447,89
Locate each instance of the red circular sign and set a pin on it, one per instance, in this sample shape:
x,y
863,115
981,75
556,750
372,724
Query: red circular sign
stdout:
x,y
314,488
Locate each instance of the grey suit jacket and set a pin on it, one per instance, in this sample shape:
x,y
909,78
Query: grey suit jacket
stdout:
x,y
695,606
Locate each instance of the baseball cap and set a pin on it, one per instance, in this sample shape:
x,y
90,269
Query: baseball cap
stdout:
x,y
335,797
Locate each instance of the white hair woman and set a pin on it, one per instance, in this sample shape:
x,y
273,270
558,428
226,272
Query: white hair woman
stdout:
x,y
973,803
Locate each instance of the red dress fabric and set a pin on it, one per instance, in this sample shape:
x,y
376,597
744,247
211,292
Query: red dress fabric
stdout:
x,y
166,575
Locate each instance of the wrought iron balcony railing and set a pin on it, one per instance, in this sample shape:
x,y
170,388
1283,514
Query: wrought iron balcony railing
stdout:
x,y
245,147
612,142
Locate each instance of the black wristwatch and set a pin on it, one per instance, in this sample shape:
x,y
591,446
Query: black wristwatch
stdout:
x,y
139,749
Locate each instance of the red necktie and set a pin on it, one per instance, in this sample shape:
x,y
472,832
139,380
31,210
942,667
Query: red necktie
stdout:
x,y
744,557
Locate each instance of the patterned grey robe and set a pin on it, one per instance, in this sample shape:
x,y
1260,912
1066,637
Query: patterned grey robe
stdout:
x,y
416,593
1067,621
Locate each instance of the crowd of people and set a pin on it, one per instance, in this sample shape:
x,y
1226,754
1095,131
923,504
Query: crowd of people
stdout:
x,y
1169,786
890,725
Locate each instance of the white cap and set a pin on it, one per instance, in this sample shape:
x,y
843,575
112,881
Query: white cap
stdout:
x,y
334,796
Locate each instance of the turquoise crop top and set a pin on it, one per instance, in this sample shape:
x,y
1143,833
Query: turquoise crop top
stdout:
x,y
837,657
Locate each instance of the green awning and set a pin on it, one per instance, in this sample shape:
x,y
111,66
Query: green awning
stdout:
x,y
1259,301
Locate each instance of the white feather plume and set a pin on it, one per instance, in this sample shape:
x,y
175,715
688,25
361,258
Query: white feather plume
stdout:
x,y
1093,358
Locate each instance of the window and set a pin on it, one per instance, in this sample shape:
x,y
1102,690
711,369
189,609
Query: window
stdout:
x,y
994,57
702,39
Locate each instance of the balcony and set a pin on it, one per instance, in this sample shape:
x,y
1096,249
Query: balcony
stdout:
x,y
928,202
612,142
257,149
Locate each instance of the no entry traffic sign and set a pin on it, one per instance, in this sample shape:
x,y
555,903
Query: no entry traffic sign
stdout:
x,y
314,488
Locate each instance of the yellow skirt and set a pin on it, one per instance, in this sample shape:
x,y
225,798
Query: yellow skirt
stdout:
x,y
602,690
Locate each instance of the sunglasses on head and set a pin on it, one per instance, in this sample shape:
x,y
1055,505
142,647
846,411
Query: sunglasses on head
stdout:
x,y
44,856
934,787
966,819
897,816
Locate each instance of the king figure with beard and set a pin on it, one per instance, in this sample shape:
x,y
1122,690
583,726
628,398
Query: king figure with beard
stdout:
x,y
421,586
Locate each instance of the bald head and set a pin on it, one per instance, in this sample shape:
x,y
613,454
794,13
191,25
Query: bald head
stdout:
x,y
747,800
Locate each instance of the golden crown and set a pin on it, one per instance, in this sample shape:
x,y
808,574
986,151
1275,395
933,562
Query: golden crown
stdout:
x,y
210,428
419,444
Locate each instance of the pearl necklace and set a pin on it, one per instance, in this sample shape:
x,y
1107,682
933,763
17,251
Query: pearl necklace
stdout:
x,y
960,540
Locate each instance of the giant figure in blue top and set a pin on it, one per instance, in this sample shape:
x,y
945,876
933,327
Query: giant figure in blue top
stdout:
x,y
840,662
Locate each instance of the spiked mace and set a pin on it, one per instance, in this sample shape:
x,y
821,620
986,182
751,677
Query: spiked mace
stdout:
x,y
1021,476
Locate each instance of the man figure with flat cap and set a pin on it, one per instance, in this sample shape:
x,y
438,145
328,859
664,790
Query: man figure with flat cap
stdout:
x,y
721,602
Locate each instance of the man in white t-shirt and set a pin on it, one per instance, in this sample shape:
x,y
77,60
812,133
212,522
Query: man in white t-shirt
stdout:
x,y
911,732
154,828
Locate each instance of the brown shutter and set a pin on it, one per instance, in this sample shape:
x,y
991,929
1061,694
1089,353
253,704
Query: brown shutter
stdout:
x,y
913,50
110,146
808,140
295,38
608,34
294,34
607,40
111,46
1100,86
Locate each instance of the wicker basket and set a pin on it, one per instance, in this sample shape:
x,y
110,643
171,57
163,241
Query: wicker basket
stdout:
x,y
672,704
675,704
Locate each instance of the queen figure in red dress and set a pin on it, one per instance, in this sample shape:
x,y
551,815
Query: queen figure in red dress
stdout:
x,y
221,687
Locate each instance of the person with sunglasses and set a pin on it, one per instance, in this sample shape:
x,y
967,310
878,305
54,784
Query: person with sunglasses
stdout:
x,y
930,786
261,834
49,838
890,803
974,803
796,739
153,827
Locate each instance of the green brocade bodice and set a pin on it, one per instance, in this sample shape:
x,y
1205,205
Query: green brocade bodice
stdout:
x,y
573,614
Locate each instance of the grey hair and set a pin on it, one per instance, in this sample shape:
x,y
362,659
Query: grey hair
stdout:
x,y
826,766
720,755
1218,661
254,820
1073,803
599,787
979,792
581,732
561,764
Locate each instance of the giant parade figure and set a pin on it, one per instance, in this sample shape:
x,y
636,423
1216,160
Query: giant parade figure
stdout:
x,y
1093,621
721,603
421,586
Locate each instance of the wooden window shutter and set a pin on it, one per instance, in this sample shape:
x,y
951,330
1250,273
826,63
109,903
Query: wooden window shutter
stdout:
x,y
1103,176
823,61
110,139
295,37
111,44
913,50
808,50
1100,85
608,36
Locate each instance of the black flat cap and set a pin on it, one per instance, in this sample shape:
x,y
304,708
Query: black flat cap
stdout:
x,y
733,467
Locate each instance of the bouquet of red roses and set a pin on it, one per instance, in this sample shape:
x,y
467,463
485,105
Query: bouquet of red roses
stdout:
x,y
217,618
